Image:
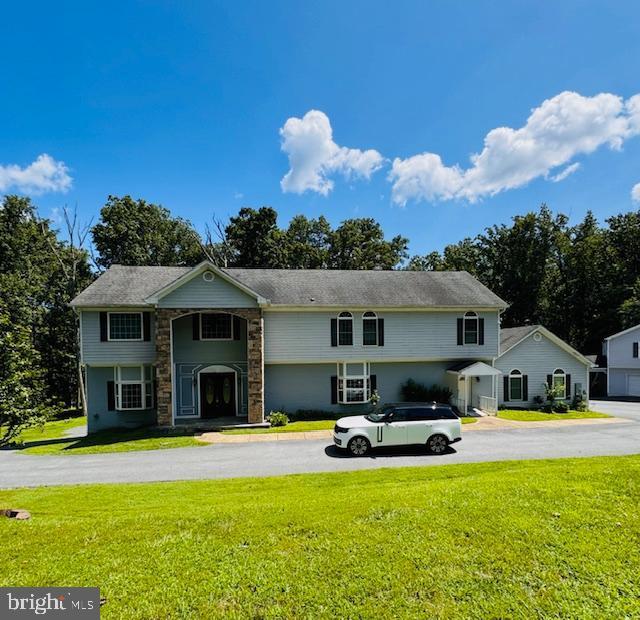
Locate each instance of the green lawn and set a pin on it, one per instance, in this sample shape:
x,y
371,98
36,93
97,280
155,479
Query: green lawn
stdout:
x,y
301,427
537,416
50,439
537,539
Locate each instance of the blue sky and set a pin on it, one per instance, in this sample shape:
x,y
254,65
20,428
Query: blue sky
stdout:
x,y
183,103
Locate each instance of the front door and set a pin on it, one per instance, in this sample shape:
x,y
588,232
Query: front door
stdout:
x,y
217,394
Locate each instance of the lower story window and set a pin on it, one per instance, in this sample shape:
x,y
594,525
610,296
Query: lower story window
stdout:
x,y
354,382
134,387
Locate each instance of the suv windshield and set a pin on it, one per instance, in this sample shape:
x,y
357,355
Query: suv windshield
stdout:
x,y
379,415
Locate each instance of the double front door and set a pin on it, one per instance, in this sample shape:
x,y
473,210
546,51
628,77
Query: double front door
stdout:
x,y
217,394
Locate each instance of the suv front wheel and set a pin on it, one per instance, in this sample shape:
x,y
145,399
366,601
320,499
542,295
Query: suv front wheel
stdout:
x,y
437,444
358,446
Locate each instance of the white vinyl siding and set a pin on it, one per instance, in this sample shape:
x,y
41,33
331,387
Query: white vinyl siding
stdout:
x,y
537,360
198,293
306,336
620,350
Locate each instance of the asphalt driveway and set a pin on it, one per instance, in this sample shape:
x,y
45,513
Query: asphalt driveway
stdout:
x,y
292,457
620,409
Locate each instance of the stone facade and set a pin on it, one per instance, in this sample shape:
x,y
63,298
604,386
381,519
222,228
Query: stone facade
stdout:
x,y
255,360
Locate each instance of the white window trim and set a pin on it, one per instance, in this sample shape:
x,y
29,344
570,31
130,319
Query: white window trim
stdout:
x,y
344,318
216,339
343,377
558,372
110,339
470,316
373,318
146,384
517,375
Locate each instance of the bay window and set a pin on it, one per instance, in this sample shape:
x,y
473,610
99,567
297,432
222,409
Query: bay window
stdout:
x,y
354,382
133,387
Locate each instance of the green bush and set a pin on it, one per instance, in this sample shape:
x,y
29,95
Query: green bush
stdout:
x,y
309,415
579,402
547,408
560,407
278,418
413,392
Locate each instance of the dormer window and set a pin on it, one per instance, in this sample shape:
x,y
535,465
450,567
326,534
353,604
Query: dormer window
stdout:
x,y
345,329
471,328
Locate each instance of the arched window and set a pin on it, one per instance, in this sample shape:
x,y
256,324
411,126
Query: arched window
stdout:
x,y
370,329
515,385
471,328
560,383
345,329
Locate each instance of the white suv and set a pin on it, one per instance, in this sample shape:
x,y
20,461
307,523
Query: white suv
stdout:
x,y
431,424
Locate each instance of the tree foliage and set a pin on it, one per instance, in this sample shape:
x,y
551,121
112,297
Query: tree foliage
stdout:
x,y
136,232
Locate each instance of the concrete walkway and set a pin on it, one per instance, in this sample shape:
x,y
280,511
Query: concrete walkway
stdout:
x,y
482,424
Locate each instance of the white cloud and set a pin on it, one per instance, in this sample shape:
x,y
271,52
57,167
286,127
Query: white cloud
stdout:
x,y
314,156
563,174
556,132
635,192
45,174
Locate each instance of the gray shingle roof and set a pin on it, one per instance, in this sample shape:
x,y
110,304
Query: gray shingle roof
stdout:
x,y
130,286
510,335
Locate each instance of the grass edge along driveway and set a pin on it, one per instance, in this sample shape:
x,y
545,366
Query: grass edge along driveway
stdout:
x,y
554,538
521,415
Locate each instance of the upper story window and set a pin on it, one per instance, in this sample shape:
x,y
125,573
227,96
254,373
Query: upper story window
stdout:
x,y
370,329
471,328
345,329
125,325
634,349
133,387
354,382
560,383
515,385
216,326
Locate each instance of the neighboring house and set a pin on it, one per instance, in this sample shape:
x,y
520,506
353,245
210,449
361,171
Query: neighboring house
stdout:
x,y
532,357
176,345
623,362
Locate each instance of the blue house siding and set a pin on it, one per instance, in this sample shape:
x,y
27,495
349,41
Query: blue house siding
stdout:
x,y
306,337
198,293
289,387
125,352
99,417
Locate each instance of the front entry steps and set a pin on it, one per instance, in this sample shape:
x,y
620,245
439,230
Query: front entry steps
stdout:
x,y
218,424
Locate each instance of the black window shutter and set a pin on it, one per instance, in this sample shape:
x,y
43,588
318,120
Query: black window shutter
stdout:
x,y
460,329
374,382
111,396
195,325
334,390
146,326
506,389
236,328
103,327
550,381
480,331
381,332
568,385
525,387
334,332
635,349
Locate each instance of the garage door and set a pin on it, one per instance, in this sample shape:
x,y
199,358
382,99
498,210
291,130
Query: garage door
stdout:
x,y
634,385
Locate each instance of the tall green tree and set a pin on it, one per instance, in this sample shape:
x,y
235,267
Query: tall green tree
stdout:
x,y
307,243
360,244
136,232
255,239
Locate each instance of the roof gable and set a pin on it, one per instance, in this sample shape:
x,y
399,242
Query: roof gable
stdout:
x,y
624,332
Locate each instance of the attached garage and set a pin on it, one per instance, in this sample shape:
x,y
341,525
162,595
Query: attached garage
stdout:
x,y
633,382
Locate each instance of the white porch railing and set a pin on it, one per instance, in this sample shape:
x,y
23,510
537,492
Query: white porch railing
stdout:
x,y
488,404
459,403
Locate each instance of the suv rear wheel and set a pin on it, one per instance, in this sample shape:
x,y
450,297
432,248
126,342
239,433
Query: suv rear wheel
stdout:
x,y
437,444
358,446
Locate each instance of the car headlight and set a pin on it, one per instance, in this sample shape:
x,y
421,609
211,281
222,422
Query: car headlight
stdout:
x,y
339,429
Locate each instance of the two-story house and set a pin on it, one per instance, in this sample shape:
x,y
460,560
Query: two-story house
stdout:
x,y
623,362
178,345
